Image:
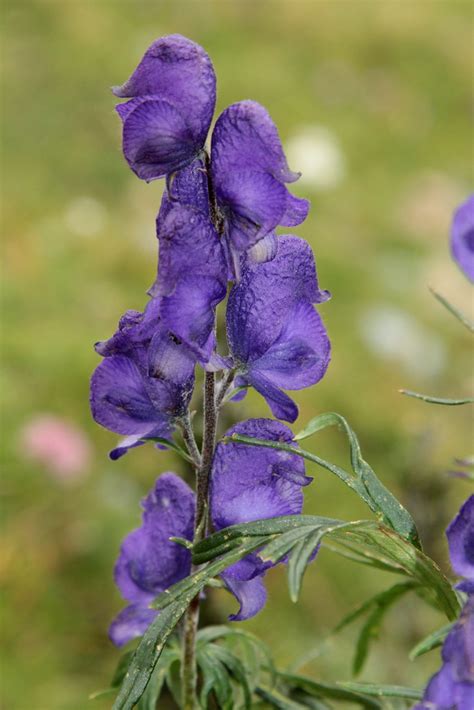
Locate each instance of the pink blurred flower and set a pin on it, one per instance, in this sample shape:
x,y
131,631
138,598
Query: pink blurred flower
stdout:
x,y
59,446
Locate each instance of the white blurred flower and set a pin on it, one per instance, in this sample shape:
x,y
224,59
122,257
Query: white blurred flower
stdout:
x,y
85,216
394,335
316,153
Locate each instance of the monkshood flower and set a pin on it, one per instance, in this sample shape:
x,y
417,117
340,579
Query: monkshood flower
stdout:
x,y
173,95
145,381
249,170
192,271
276,337
460,534
250,483
462,237
452,688
149,562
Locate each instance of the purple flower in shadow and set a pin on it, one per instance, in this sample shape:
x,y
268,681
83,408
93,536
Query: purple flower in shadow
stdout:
x,y
173,95
192,272
144,382
250,171
276,337
462,237
250,483
149,562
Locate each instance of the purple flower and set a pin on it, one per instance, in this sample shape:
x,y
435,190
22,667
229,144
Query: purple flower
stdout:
x,y
149,562
452,688
460,535
276,337
462,237
173,95
250,483
249,169
145,381
192,270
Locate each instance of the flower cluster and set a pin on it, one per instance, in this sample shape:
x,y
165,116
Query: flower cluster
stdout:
x,y
216,224
453,686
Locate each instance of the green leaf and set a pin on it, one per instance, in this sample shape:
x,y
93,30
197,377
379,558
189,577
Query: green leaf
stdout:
x,y
366,541
277,699
215,678
363,481
298,562
379,544
172,603
237,670
379,499
376,608
382,691
453,310
430,642
437,400
334,691
170,445
150,697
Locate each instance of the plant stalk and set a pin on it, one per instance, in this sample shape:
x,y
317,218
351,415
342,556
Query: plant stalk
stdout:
x,y
191,619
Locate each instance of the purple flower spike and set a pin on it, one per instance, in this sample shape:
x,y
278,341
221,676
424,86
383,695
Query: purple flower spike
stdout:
x,y
149,562
462,237
460,535
173,95
277,339
250,483
192,268
145,381
250,171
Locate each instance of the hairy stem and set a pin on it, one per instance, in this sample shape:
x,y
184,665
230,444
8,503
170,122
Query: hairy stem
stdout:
x,y
188,667
187,432
191,619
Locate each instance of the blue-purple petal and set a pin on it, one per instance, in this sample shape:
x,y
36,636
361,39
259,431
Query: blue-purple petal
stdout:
x,y
157,140
460,535
250,594
149,562
462,237
179,71
131,622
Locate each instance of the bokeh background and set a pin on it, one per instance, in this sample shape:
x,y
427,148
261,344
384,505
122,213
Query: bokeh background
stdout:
x,y
372,99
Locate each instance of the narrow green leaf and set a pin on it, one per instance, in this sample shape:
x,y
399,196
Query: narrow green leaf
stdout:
x,y
371,628
281,546
268,526
147,654
382,599
150,697
298,562
467,322
377,542
187,544
335,691
437,400
382,691
277,699
236,668
215,677
379,499
365,483
430,642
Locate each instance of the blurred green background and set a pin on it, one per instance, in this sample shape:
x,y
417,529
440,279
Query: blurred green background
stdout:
x,y
372,100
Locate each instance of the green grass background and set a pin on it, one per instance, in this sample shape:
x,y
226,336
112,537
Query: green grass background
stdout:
x,y
391,79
